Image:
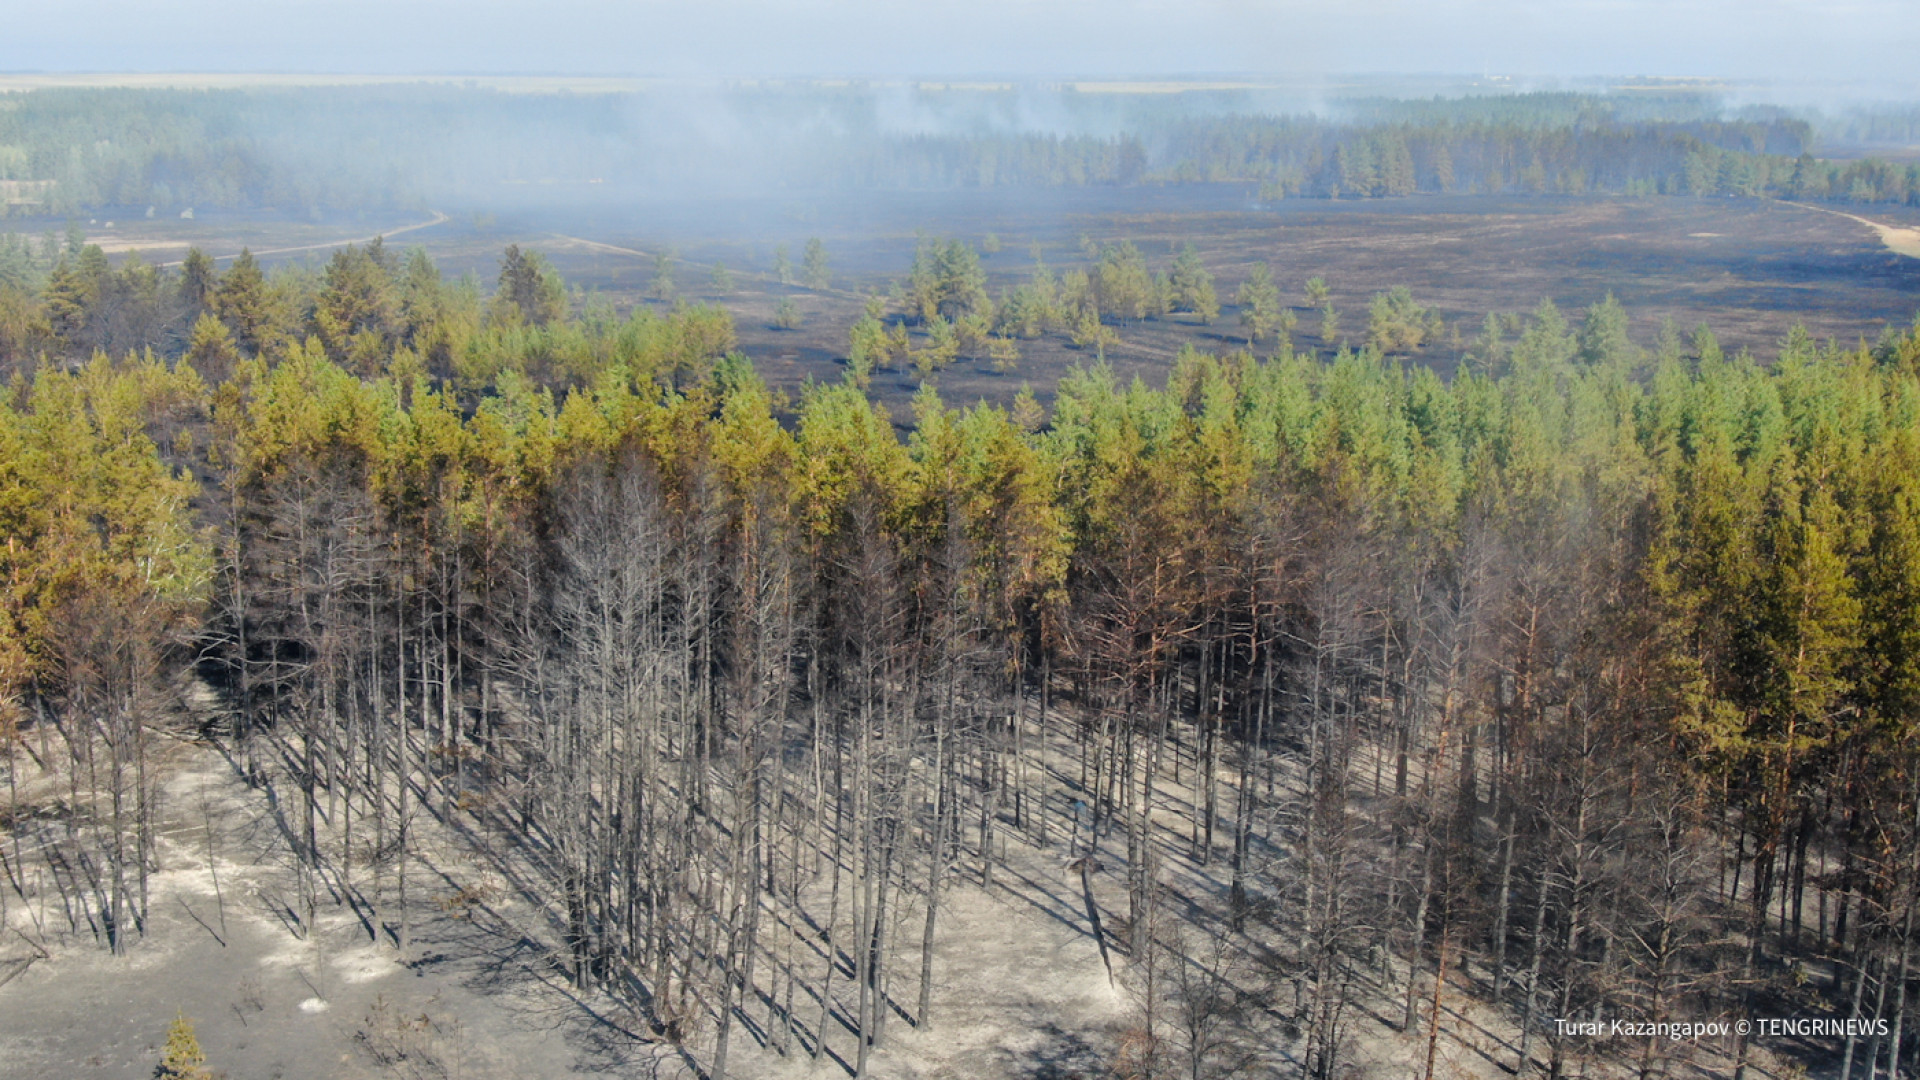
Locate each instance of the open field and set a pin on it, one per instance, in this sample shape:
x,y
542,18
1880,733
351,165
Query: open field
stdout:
x,y
1750,269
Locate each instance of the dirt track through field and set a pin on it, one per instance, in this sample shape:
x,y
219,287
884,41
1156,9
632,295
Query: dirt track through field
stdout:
x,y
1900,240
748,275
438,218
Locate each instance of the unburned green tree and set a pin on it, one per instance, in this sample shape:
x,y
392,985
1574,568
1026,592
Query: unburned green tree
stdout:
x,y
1124,284
1190,286
211,349
786,314
1603,335
528,291
199,280
182,1058
942,348
662,286
867,348
357,310
946,281
242,301
1259,300
813,265
1396,323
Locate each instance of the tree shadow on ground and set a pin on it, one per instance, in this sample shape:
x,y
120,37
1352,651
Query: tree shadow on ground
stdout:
x,y
1065,1055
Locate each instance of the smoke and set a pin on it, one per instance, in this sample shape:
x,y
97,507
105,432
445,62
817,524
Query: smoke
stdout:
x,y
502,144
455,146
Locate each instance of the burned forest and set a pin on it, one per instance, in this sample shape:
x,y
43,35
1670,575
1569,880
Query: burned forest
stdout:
x,y
414,674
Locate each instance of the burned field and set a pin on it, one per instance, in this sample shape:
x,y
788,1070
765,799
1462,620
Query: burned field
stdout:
x,y
1749,269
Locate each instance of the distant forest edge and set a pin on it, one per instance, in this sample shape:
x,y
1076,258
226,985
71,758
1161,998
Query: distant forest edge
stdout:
x,y
318,149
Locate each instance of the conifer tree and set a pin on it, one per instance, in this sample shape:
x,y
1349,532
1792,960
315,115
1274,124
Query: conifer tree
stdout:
x,y
528,290
1191,286
662,286
211,350
1603,334
182,1058
1124,285
813,265
199,281
1259,300
243,303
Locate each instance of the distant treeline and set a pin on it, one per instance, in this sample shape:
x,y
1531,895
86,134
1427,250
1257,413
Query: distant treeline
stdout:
x,y
1898,126
174,150
321,149
1307,157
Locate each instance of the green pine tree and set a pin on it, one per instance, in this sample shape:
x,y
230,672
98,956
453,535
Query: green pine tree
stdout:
x,y
813,265
182,1058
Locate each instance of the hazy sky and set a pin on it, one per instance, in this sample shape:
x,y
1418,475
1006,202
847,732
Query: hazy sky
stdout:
x,y
1860,42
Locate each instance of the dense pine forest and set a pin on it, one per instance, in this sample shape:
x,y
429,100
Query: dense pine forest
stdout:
x,y
329,149
1584,678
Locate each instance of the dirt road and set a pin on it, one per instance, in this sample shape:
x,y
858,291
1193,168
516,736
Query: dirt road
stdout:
x,y
438,218
1899,239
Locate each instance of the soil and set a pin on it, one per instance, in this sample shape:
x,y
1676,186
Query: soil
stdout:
x,y
1019,992
226,948
1899,239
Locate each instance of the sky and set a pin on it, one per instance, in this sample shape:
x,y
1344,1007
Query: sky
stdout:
x,y
1863,44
